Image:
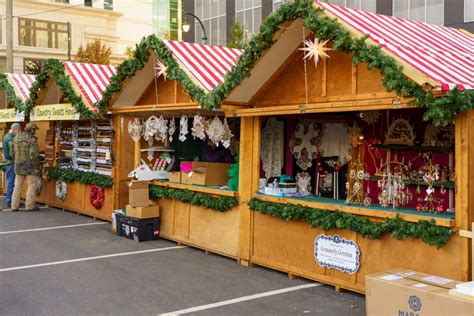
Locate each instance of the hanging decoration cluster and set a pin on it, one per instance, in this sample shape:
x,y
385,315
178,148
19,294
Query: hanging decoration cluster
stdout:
x,y
217,203
398,228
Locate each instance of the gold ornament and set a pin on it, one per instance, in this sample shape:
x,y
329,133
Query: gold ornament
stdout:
x,y
160,69
400,132
315,50
370,117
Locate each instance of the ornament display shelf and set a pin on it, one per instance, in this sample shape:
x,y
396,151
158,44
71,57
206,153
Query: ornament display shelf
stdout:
x,y
375,211
413,148
438,184
158,148
197,188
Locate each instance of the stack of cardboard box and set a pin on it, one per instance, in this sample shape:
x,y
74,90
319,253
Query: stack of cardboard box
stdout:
x,y
142,220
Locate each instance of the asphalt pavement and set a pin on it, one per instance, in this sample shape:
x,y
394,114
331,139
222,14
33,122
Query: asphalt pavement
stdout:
x,y
60,263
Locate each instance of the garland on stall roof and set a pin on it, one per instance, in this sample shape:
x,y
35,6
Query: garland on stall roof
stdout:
x,y
84,177
12,98
55,69
217,203
400,229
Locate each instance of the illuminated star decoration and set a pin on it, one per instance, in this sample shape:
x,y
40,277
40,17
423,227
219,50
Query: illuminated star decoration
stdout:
x,y
160,69
315,50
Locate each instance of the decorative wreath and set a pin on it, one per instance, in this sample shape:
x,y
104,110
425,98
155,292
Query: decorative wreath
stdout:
x,y
39,186
97,196
61,190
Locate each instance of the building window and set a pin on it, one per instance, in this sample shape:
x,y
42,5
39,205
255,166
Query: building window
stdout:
x,y
88,3
38,33
278,3
32,66
364,5
249,14
429,11
468,10
213,15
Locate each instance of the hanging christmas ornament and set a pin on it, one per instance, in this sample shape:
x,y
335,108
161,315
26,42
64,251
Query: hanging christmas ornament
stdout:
x,y
305,142
150,129
171,129
161,126
160,69
215,131
226,135
135,129
199,127
370,117
183,128
315,50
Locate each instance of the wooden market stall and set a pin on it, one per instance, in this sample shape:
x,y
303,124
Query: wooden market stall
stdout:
x,y
160,89
324,144
14,92
78,139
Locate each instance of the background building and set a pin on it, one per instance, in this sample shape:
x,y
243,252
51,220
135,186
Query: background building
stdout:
x,y
167,17
41,28
218,15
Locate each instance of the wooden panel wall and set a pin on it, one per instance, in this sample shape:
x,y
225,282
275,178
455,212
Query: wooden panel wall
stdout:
x,y
164,92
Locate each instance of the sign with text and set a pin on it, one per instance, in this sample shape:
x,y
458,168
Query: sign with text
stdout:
x,y
54,112
334,252
10,115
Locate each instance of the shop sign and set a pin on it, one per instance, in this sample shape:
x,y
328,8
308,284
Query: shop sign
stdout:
x,y
10,115
54,112
334,252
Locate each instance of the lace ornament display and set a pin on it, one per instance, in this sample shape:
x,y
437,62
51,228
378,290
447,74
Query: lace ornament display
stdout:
x,y
171,129
161,129
199,127
215,131
135,129
227,135
304,144
150,129
303,181
271,150
183,128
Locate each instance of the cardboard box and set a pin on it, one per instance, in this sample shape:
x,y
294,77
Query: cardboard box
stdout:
x,y
174,176
138,194
206,173
143,211
409,293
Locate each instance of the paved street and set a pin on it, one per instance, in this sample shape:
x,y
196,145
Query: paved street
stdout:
x,y
60,263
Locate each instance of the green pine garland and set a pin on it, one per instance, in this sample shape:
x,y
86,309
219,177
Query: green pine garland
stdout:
x,y
398,228
84,177
12,98
217,203
55,69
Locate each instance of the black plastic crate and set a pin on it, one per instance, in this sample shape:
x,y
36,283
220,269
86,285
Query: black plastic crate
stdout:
x,y
118,222
139,229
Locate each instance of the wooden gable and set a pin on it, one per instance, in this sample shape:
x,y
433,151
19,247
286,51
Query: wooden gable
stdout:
x,y
160,91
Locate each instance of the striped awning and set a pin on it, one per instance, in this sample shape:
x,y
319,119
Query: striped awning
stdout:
x,y
443,54
22,84
206,63
91,79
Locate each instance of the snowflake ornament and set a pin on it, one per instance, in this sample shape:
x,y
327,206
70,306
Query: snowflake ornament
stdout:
x,y
315,50
304,144
215,132
183,128
160,69
161,129
171,129
135,129
150,129
226,135
199,127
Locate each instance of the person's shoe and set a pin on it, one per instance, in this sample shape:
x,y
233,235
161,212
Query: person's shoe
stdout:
x,y
34,209
11,210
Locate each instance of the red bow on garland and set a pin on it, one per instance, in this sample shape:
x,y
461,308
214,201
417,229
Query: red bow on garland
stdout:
x,y
97,196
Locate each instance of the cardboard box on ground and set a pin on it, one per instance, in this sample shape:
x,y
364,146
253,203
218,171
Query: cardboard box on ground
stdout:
x,y
206,173
408,293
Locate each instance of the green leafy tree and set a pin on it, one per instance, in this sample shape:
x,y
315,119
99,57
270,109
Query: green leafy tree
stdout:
x,y
237,32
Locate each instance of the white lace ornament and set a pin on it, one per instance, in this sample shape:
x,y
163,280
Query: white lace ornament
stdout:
x,y
161,129
227,135
150,129
303,181
304,144
215,131
171,129
199,127
135,129
271,150
183,128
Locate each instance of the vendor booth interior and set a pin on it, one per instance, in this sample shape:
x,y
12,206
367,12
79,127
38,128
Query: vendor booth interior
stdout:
x,y
187,151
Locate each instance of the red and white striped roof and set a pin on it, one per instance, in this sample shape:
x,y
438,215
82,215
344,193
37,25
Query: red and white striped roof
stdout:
x,y
22,84
91,79
208,64
443,54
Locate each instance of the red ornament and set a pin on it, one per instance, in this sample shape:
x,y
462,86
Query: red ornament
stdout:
x,y
337,168
418,208
97,196
321,169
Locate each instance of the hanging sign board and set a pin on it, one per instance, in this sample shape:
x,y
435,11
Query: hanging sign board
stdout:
x,y
54,112
10,115
334,252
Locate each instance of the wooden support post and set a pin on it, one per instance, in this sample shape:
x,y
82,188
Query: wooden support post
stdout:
x,y
137,154
470,235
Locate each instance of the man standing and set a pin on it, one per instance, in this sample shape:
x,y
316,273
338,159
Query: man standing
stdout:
x,y
27,166
7,145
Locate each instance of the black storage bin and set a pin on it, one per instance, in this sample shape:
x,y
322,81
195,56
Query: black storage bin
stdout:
x,y
139,229
118,222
